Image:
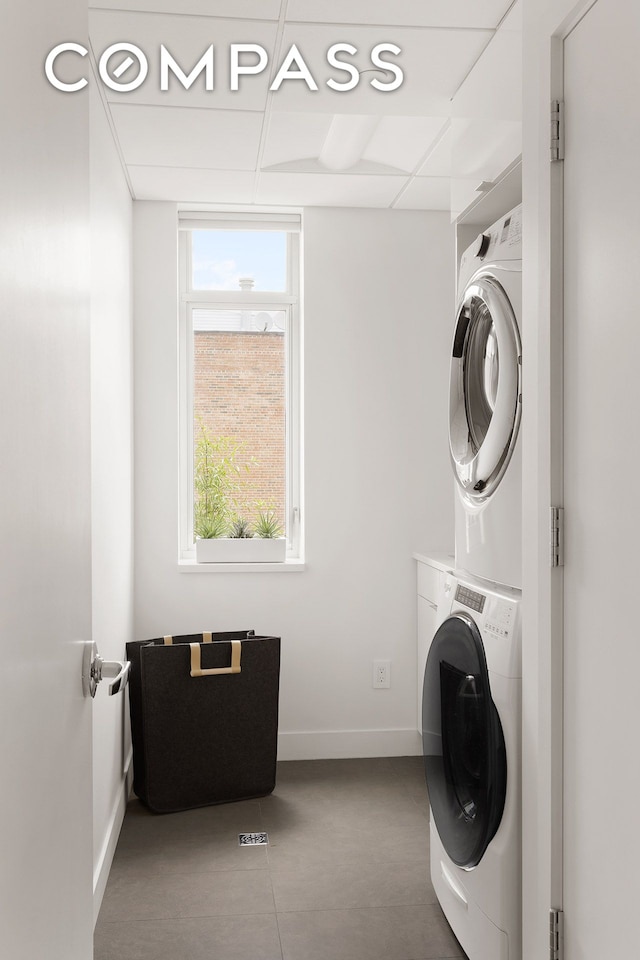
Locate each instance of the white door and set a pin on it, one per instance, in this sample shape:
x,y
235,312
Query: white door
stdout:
x,y
602,464
45,576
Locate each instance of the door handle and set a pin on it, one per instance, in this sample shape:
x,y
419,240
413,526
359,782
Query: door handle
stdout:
x,y
95,669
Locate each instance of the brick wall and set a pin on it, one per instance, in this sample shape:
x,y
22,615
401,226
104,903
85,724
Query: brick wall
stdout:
x,y
239,392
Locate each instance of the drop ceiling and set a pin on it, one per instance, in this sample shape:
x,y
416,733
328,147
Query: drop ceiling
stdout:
x,y
256,146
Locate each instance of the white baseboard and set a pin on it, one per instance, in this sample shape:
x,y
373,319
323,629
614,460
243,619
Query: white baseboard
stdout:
x,y
105,859
341,744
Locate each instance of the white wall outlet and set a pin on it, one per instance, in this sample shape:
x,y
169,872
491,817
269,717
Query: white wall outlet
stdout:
x,y
381,674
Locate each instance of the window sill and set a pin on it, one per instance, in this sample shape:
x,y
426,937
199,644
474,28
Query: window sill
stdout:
x,y
288,566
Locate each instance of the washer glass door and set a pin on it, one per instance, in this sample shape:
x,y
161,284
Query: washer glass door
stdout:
x,y
463,743
484,398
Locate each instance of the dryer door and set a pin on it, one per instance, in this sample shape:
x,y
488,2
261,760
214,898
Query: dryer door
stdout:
x,y
463,743
484,390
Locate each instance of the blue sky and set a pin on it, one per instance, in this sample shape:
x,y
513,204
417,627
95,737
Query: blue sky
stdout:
x,y
220,257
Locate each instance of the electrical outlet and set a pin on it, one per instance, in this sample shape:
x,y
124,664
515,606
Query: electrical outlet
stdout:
x,y
381,674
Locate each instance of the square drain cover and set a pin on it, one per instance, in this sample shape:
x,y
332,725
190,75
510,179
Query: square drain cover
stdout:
x,y
252,839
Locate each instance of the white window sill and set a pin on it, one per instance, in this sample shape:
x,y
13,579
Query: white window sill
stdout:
x,y
288,566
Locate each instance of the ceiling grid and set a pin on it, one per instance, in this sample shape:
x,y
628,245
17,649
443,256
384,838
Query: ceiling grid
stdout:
x,y
295,146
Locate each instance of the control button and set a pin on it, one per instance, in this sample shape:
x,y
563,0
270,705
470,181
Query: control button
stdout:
x,y
482,245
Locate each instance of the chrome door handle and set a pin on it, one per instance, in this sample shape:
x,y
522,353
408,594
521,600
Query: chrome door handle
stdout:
x,y
95,669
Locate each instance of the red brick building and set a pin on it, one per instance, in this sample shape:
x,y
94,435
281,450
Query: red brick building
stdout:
x,y
239,392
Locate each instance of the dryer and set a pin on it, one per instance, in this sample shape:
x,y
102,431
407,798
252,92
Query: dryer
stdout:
x,y
485,401
472,754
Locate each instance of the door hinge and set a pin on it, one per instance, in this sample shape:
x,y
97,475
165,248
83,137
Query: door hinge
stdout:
x,y
557,536
556,934
557,130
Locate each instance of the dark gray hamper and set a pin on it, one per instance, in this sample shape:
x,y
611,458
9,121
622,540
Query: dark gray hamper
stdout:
x,y
200,740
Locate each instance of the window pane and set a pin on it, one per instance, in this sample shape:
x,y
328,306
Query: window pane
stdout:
x,y
239,410
239,259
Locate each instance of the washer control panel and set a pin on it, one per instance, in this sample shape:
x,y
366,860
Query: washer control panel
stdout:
x,y
499,620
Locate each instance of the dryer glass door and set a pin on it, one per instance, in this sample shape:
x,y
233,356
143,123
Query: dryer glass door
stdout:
x,y
463,743
484,398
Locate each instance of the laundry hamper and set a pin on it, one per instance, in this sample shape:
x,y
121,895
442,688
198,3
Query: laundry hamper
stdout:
x,y
204,718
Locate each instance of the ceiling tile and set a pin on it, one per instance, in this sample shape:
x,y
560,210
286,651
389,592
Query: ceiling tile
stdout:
x,y
425,193
402,142
434,63
176,137
186,39
238,9
197,186
398,143
295,136
333,190
426,13
438,162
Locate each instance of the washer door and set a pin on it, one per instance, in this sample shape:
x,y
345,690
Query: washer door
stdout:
x,y
463,743
484,395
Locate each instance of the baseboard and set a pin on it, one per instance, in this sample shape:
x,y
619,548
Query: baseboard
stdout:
x,y
103,866
338,744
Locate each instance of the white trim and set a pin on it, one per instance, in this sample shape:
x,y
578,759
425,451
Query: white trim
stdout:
x,y
105,858
292,565
200,220
289,303
546,24
232,300
185,389
346,744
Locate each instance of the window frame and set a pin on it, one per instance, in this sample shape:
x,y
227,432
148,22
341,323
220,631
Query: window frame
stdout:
x,y
287,301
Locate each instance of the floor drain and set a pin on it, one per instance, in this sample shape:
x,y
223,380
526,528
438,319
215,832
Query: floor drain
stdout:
x,y
252,839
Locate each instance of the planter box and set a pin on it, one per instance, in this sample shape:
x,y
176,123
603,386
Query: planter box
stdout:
x,y
231,550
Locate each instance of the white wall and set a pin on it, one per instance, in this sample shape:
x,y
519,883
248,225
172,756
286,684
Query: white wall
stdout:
x,y
377,321
112,475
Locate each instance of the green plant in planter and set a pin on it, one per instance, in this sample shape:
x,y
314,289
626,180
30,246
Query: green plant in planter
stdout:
x,y
218,470
267,525
241,529
210,528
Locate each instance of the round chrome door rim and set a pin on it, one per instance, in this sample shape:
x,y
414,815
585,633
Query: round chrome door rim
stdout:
x,y
479,470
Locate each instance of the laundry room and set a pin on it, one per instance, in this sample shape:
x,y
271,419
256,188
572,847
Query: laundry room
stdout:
x,y
305,474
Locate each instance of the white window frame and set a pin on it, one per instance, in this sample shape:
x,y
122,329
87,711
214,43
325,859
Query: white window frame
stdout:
x,y
287,301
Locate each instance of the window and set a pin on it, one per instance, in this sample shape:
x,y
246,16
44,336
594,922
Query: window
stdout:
x,y
239,374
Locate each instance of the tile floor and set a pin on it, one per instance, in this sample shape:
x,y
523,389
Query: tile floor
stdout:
x,y
345,875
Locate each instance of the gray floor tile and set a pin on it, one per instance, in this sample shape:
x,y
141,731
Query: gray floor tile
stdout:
x,y
337,779
358,847
290,809
401,933
405,766
142,826
171,896
410,774
335,886
223,938
347,832
347,868
187,856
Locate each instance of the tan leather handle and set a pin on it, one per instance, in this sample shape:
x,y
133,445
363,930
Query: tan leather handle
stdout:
x,y
234,667
206,638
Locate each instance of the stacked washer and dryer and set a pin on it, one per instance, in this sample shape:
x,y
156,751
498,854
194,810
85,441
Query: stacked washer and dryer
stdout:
x,y
472,683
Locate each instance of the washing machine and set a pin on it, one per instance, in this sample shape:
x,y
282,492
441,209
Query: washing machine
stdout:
x,y
485,401
472,754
